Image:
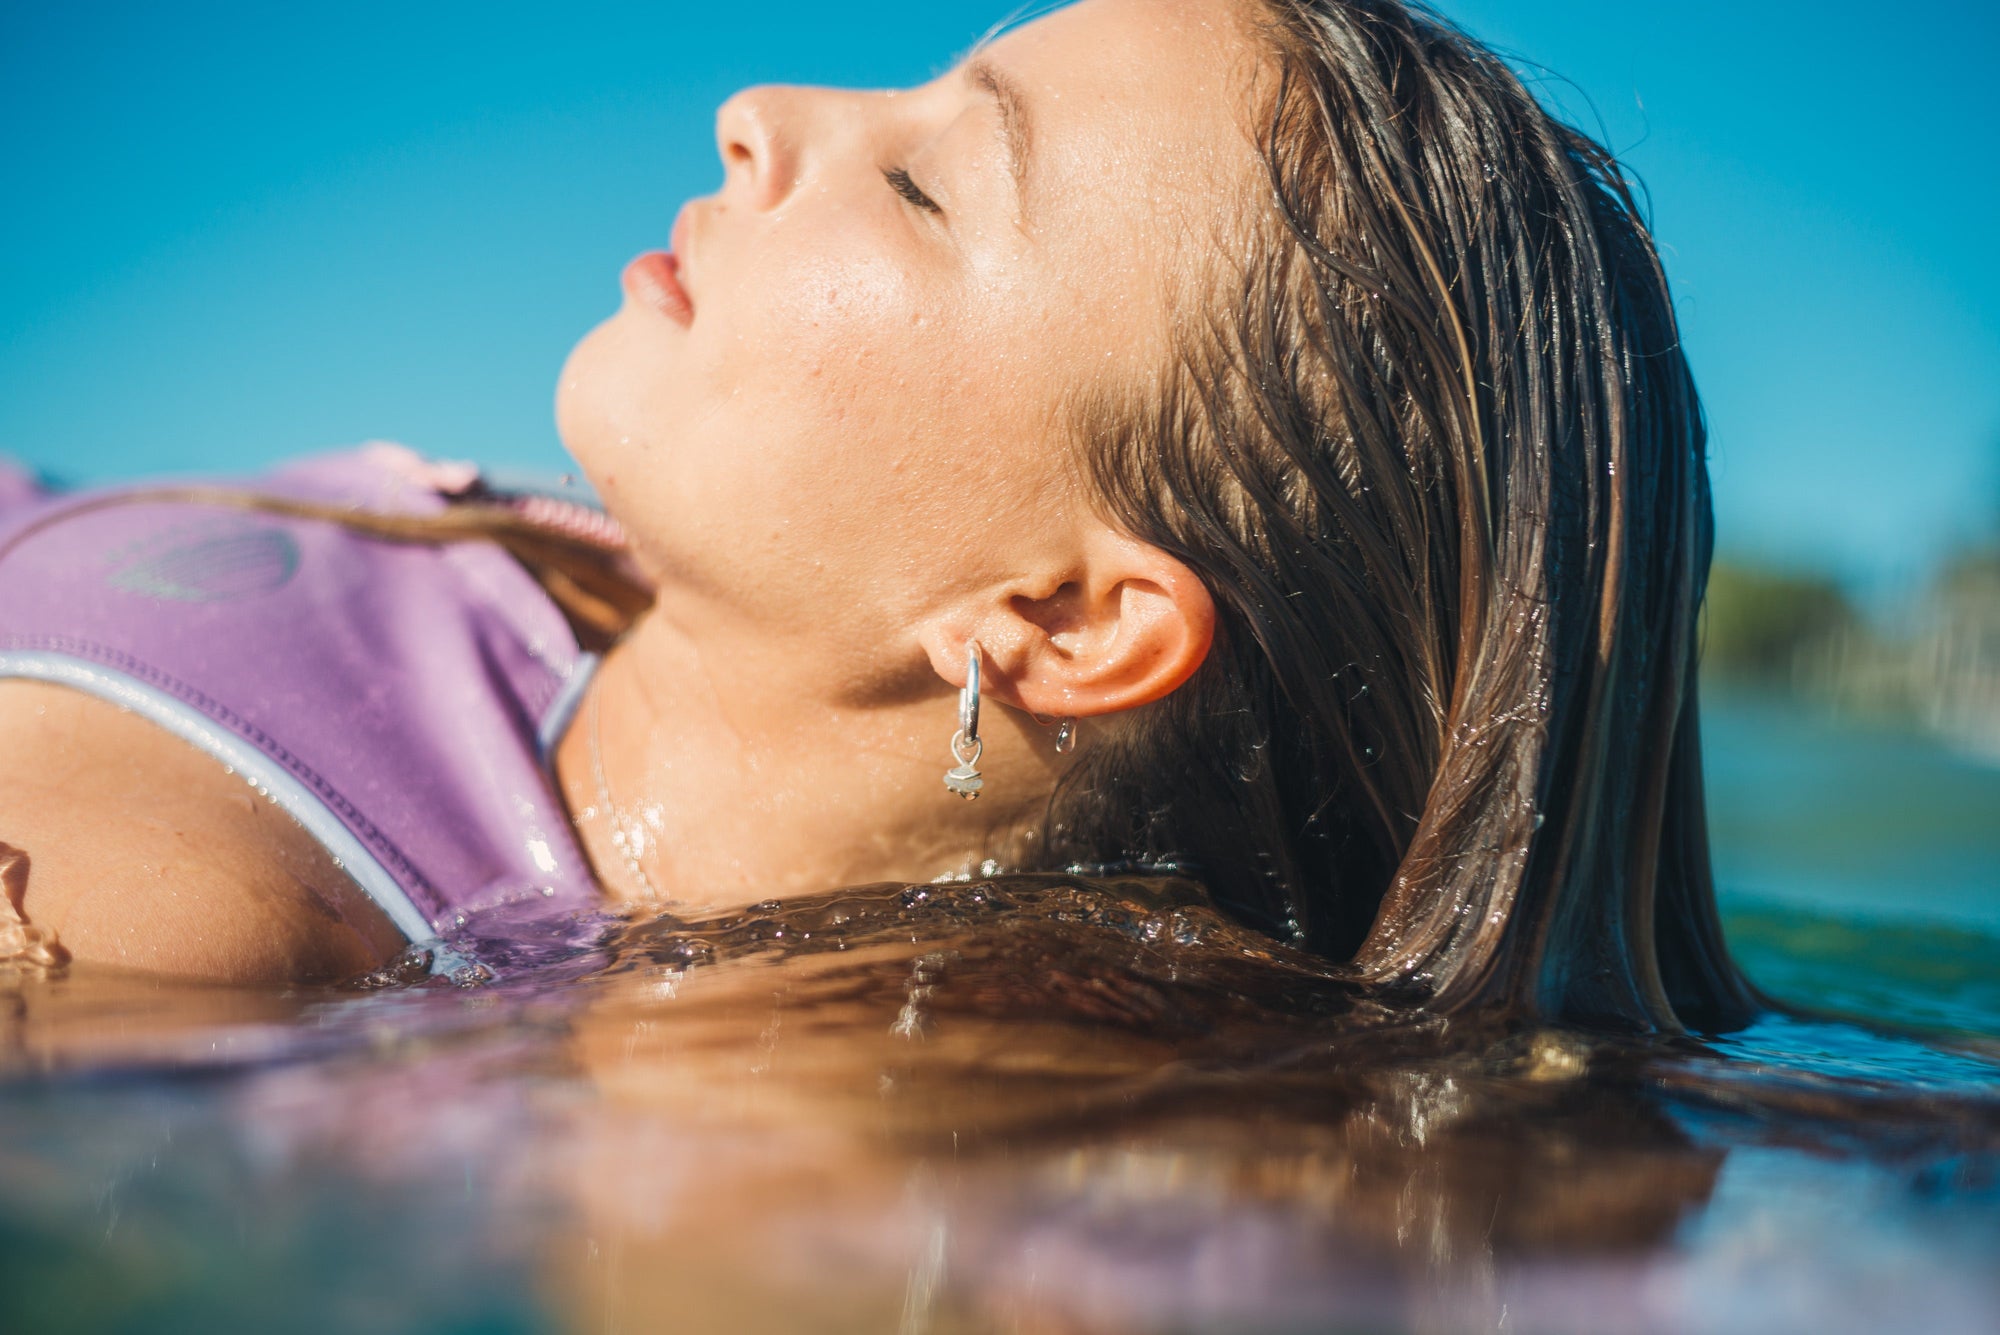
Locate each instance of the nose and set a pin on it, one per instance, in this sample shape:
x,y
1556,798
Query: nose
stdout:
x,y
757,133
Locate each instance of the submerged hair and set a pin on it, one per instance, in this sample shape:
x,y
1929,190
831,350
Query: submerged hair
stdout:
x,y
1436,453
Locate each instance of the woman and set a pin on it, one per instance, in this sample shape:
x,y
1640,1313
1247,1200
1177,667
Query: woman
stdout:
x,y
1267,394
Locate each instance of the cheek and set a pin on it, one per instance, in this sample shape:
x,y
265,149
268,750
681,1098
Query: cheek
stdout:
x,y
899,408
822,337
837,365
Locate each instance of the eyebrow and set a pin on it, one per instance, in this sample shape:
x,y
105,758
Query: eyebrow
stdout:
x,y
1016,129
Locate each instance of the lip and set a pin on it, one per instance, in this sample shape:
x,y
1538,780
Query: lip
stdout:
x,y
653,279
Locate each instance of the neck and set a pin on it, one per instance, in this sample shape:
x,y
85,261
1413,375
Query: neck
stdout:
x,y
716,778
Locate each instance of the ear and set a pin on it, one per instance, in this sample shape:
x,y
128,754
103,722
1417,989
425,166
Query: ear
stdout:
x,y
1123,628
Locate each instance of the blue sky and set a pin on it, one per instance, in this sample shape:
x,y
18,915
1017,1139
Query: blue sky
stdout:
x,y
235,232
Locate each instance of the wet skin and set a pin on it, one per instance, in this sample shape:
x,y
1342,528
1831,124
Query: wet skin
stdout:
x,y
140,851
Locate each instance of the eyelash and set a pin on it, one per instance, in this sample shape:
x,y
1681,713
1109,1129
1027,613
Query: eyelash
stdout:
x,y
900,182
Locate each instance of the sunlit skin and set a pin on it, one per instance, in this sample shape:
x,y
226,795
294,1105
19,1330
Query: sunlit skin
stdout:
x,y
851,460
846,465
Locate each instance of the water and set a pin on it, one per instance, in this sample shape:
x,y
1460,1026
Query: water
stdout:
x,y
1024,1106
1851,818
1859,866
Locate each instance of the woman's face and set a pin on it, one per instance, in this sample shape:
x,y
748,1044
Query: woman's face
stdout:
x,y
893,295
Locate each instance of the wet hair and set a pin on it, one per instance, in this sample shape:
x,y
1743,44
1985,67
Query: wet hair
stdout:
x,y
1435,452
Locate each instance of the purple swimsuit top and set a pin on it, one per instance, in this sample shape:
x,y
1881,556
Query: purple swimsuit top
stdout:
x,y
400,701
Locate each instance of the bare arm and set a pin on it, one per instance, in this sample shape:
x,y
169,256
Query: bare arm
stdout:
x,y
136,849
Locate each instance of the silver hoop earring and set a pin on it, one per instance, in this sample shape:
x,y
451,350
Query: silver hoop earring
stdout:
x,y
964,779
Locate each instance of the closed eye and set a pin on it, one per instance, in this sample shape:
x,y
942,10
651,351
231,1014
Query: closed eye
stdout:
x,y
900,182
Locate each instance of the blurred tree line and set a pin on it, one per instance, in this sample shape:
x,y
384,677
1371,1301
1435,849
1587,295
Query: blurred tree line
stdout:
x,y
1934,661
1759,622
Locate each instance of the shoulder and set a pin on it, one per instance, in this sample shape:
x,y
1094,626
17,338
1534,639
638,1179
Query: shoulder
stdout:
x,y
142,852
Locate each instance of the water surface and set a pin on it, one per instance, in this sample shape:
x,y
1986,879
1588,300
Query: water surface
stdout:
x,y
1023,1106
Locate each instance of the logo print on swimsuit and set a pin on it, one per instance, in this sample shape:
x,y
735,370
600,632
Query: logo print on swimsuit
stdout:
x,y
211,568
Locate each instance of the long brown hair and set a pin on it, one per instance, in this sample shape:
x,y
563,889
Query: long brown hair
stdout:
x,y
1437,455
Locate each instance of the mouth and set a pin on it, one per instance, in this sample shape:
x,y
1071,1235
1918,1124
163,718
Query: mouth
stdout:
x,y
654,278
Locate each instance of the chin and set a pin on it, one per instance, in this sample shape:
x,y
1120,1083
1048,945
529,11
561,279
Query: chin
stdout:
x,y
605,420
581,416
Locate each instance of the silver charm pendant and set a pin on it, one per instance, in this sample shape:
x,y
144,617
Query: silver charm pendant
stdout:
x,y
965,779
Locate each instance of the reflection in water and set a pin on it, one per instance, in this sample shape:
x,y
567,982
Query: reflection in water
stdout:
x,y
1021,1105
